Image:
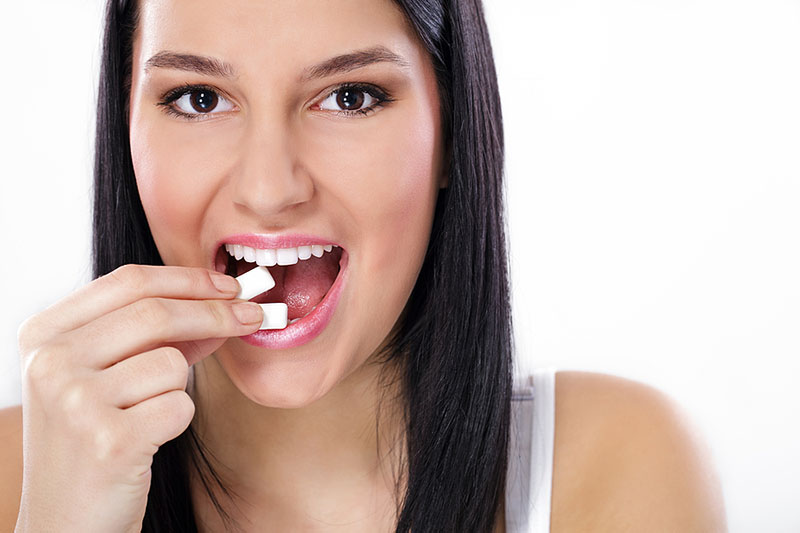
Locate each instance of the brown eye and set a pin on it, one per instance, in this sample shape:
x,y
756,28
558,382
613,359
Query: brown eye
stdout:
x,y
193,102
203,101
350,99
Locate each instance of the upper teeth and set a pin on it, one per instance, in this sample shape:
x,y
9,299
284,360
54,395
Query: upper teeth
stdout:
x,y
280,256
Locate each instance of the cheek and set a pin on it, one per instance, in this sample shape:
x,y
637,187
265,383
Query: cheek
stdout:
x,y
387,180
385,177
401,203
173,193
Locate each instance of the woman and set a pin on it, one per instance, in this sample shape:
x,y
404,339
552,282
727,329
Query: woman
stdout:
x,y
369,128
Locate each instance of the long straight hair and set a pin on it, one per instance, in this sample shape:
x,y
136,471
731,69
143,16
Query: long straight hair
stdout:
x,y
455,344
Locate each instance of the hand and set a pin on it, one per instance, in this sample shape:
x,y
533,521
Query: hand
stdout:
x,y
104,373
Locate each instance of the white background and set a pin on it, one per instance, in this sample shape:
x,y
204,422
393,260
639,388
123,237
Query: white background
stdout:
x,y
653,183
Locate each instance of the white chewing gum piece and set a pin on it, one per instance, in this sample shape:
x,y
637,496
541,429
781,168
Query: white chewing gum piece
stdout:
x,y
254,282
276,316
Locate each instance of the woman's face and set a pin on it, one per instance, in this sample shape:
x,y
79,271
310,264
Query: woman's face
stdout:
x,y
266,149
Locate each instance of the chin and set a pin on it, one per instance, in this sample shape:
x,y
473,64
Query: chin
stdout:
x,y
270,380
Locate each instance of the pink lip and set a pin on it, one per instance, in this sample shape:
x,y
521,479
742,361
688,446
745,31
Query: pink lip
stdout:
x,y
309,327
272,241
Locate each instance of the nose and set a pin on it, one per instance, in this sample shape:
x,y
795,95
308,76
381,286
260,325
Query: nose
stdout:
x,y
268,179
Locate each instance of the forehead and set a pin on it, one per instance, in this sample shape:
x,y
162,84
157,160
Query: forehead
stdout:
x,y
282,35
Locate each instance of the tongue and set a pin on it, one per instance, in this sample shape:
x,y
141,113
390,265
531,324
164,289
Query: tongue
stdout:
x,y
306,283
303,285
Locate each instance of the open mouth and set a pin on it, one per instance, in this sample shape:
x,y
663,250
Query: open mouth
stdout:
x,y
303,275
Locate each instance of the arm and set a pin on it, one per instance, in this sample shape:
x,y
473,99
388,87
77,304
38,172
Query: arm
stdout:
x,y
10,466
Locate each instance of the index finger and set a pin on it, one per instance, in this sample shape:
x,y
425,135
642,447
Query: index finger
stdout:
x,y
121,287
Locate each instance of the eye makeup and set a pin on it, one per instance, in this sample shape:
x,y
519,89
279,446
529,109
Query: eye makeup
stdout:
x,y
168,99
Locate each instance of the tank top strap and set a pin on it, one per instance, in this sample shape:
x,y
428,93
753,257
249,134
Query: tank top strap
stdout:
x,y
531,442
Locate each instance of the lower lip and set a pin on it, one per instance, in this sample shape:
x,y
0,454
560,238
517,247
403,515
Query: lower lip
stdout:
x,y
310,326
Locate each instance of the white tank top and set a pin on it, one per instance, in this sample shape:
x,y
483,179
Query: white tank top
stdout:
x,y
530,470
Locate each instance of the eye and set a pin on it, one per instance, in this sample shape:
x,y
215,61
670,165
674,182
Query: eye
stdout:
x,y
355,98
194,101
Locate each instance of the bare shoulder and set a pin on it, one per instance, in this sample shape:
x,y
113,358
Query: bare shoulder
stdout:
x,y
627,458
10,465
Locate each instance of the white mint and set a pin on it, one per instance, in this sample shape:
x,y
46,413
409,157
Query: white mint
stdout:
x,y
254,282
276,316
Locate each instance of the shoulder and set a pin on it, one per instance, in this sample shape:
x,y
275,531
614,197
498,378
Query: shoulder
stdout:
x,y
626,458
10,465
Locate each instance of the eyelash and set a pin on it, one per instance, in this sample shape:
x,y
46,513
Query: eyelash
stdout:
x,y
382,97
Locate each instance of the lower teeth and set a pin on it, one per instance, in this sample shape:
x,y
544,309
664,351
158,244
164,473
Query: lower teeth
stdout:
x,y
292,321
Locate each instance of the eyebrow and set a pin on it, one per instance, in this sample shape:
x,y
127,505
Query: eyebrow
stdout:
x,y
190,63
335,65
353,60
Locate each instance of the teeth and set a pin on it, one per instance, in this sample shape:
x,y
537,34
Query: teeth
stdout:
x,y
281,256
266,258
287,256
292,321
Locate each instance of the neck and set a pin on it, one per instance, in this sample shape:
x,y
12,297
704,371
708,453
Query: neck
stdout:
x,y
333,454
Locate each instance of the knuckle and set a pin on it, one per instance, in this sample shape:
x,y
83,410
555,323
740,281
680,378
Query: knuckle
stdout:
x,y
171,414
108,445
183,408
151,311
131,277
76,400
175,360
198,277
25,334
215,310
39,368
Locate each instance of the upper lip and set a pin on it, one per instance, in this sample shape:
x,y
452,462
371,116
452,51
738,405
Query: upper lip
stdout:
x,y
266,241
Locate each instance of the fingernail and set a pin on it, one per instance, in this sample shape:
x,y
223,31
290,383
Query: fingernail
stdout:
x,y
225,283
248,312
